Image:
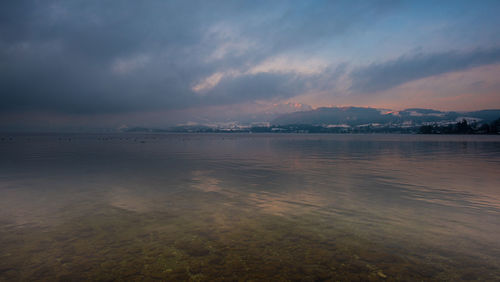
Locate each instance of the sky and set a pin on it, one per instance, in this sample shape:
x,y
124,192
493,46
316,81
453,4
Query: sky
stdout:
x,y
68,65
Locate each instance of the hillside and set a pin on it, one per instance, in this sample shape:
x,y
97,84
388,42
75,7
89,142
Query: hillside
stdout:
x,y
355,116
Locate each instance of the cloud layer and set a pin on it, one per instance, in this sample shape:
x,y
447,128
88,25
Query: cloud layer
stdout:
x,y
383,76
94,56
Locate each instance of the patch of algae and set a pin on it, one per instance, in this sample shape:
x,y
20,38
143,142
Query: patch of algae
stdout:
x,y
224,244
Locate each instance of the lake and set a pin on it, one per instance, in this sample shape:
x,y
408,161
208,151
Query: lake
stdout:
x,y
206,207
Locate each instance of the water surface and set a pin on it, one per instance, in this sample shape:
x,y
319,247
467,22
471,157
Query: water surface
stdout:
x,y
249,207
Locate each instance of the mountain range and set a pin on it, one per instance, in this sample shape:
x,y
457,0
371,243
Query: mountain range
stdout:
x,y
356,116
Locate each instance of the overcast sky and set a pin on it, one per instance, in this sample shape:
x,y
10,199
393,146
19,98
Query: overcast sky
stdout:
x,y
78,64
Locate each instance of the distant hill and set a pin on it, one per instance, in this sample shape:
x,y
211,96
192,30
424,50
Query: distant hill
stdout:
x,y
356,120
486,115
348,115
355,116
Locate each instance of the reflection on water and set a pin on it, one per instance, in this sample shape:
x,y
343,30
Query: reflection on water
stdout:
x,y
243,207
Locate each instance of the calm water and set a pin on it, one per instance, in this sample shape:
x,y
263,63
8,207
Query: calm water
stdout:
x,y
249,207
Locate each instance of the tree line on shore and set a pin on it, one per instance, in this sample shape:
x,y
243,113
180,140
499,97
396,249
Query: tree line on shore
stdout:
x,y
462,127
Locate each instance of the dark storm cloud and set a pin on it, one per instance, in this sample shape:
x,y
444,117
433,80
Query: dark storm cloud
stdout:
x,y
120,56
310,22
383,76
257,86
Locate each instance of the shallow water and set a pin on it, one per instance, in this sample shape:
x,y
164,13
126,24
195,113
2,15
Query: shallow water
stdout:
x,y
249,207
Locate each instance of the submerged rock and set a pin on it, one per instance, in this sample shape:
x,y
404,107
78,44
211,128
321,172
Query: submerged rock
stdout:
x,y
381,274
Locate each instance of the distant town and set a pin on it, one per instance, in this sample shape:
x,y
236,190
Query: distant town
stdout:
x,y
355,120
